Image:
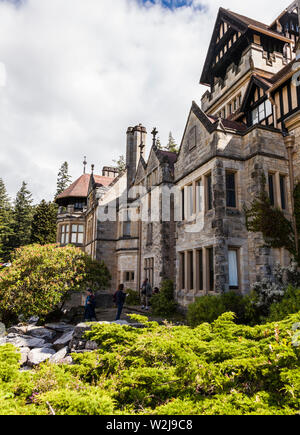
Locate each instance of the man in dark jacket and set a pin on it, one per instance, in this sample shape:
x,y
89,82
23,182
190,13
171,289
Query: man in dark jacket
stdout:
x,y
120,298
90,305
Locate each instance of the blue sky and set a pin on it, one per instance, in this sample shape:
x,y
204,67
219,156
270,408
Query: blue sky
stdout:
x,y
170,4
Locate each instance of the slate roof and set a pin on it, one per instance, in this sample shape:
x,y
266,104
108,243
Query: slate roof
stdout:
x,y
79,189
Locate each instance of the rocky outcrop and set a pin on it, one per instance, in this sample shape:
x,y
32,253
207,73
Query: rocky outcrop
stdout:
x,y
53,342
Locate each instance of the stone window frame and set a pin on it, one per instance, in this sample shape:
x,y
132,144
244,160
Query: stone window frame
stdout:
x,y
130,275
277,175
77,233
149,269
192,257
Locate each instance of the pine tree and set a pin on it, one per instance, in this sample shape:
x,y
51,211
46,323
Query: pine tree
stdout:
x,y
172,145
44,223
120,163
22,214
6,221
158,144
63,178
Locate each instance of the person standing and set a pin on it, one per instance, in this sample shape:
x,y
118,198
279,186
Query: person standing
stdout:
x,y
146,293
120,297
90,305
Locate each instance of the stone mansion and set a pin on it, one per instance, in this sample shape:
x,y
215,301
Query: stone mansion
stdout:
x,y
181,216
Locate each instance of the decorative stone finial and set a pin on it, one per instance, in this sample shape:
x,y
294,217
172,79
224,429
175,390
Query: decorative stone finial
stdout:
x,y
84,164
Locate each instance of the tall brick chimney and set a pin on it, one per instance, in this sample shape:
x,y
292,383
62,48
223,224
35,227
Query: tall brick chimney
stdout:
x,y
136,142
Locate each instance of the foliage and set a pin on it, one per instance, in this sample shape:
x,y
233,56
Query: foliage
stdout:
x,y
133,297
42,276
163,304
22,216
263,218
44,223
214,369
209,308
172,145
98,275
6,222
269,291
290,304
120,163
63,179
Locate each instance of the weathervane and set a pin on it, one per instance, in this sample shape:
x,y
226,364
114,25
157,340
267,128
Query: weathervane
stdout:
x,y
93,167
84,164
154,134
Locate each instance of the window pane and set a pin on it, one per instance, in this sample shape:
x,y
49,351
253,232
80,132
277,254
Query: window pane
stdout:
x,y
271,189
191,200
80,228
200,265
233,269
269,109
211,269
74,228
255,116
261,111
67,228
80,238
199,196
209,192
282,192
230,190
74,238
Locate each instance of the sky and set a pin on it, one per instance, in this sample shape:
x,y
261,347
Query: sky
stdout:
x,y
75,74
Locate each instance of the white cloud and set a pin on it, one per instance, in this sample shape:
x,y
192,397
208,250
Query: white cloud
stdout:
x,y
79,72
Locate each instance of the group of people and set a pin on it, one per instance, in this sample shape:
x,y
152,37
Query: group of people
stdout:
x,y
119,299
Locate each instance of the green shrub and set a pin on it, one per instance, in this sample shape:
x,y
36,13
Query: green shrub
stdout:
x,y
163,304
220,368
209,308
133,298
42,277
290,304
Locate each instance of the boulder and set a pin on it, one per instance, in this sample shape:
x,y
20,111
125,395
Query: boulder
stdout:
x,y
2,341
60,327
59,356
40,332
24,355
121,322
33,320
37,356
2,329
91,345
25,341
67,361
17,330
63,341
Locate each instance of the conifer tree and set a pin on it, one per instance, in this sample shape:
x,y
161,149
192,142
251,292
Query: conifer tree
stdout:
x,y
120,163
6,221
63,178
22,215
44,223
158,144
172,145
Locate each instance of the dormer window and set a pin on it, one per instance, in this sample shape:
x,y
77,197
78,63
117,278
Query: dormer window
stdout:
x,y
261,112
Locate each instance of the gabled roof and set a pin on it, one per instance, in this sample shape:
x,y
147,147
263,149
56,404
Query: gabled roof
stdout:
x,y
241,24
80,187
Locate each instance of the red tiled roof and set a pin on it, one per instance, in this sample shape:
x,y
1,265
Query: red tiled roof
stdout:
x,y
79,189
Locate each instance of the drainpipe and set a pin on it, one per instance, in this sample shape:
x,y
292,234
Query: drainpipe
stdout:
x,y
139,277
289,142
